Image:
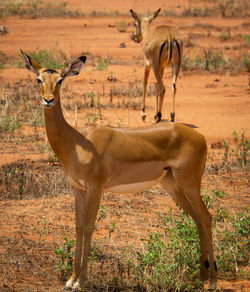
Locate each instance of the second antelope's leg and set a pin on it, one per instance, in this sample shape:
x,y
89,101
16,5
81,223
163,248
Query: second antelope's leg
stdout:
x,y
145,83
173,99
160,93
157,99
175,72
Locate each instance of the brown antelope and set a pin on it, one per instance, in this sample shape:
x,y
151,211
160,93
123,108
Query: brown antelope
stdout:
x,y
162,47
101,158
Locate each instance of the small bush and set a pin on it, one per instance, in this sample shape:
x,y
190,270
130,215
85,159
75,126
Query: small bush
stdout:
x,y
19,103
65,254
233,8
246,38
213,60
104,13
169,259
196,12
3,59
121,26
238,154
232,245
102,64
55,58
247,64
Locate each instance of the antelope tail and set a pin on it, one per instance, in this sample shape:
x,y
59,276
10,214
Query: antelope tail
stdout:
x,y
168,45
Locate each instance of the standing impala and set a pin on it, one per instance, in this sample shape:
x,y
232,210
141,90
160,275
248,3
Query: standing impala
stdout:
x,y
99,158
161,47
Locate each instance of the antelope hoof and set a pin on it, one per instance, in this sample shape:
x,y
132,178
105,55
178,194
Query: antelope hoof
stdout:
x,y
157,118
172,117
143,117
69,284
77,287
212,287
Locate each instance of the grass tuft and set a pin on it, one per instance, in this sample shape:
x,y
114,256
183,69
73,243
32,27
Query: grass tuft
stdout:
x,y
38,8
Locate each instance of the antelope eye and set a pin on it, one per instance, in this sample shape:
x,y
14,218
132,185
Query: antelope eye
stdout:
x,y
39,81
60,81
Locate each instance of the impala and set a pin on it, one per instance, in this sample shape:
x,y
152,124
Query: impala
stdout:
x,y
162,47
101,158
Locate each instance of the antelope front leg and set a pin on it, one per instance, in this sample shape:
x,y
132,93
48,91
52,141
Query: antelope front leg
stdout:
x,y
92,202
80,203
145,82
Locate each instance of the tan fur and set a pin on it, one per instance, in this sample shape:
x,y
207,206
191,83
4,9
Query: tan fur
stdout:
x,y
99,158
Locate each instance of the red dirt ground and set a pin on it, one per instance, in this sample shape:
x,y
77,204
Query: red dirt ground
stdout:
x,y
214,103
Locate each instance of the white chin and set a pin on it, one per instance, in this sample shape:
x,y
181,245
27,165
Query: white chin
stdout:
x,y
46,104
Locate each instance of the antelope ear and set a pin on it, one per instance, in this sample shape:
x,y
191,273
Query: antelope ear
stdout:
x,y
31,64
156,13
74,67
133,14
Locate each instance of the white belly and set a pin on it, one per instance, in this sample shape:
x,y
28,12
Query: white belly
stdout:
x,y
134,187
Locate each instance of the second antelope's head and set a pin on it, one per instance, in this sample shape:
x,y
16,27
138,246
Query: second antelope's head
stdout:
x,y
141,24
50,80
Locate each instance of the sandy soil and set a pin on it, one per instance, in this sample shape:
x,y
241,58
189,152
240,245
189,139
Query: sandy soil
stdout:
x,y
215,104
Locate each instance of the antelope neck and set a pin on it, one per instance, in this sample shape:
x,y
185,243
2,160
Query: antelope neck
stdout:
x,y
144,31
57,129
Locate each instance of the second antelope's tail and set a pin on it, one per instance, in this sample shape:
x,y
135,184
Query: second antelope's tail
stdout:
x,y
167,48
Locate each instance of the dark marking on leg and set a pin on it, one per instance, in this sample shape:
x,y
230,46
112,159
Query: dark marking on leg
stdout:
x,y
174,88
172,117
143,115
207,265
170,51
215,267
158,117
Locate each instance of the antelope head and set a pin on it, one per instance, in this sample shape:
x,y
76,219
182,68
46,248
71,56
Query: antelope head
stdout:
x,y
141,24
50,80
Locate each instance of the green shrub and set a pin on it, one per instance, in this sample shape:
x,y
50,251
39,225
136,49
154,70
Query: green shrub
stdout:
x,y
65,254
237,154
50,58
102,64
169,259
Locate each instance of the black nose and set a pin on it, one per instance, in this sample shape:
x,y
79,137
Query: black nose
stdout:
x,y
49,101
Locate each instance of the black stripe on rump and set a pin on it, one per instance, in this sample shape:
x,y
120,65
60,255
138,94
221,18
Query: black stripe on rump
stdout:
x,y
170,51
162,47
178,48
